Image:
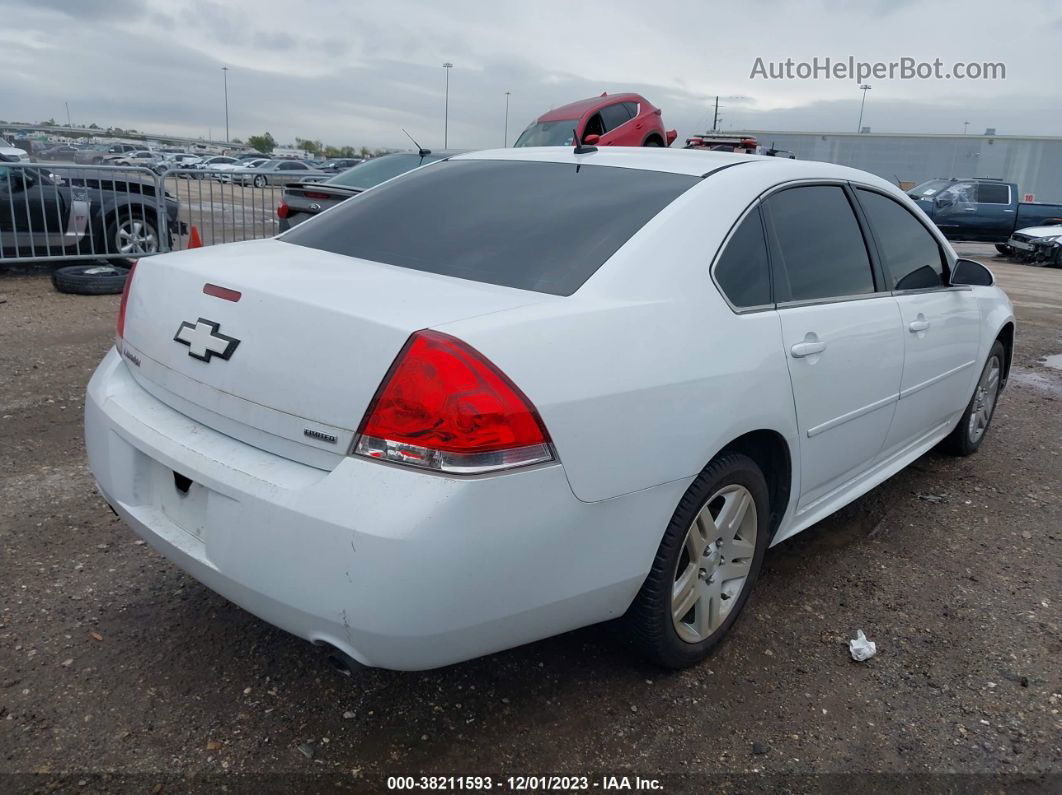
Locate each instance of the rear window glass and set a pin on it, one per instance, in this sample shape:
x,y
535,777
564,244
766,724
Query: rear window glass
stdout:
x,y
380,169
820,243
743,271
535,226
993,193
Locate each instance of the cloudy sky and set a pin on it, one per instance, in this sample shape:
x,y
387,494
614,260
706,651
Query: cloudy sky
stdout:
x,y
353,72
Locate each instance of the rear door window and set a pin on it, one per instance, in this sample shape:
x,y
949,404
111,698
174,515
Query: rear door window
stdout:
x,y
819,245
743,272
993,193
912,257
535,226
615,115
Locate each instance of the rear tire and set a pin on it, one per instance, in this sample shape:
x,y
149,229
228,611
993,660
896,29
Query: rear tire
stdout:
x,y
131,236
966,437
97,279
653,142
709,559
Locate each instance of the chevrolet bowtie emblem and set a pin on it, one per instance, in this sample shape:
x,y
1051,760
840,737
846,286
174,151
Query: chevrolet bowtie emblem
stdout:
x,y
204,341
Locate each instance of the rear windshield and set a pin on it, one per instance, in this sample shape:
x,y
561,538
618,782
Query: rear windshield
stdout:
x,y
535,226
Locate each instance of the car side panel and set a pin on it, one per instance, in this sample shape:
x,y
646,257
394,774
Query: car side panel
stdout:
x,y
643,379
846,395
941,361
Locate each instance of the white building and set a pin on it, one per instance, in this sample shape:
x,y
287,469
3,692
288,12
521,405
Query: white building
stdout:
x,y
1035,164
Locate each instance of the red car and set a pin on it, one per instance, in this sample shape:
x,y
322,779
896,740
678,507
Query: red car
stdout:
x,y
616,120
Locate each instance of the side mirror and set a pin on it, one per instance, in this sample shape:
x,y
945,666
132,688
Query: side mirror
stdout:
x,y
969,272
591,139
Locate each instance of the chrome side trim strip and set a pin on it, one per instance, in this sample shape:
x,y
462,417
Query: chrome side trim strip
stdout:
x,y
935,379
852,415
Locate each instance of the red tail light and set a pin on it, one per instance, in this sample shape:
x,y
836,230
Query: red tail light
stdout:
x,y
282,210
445,406
125,299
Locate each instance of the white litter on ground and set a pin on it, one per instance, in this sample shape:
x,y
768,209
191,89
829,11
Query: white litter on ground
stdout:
x,y
861,648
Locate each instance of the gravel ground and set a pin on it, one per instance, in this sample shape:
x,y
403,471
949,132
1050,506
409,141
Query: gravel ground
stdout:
x,y
120,672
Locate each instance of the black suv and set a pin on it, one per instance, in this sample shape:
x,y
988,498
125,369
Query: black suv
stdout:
x,y
85,212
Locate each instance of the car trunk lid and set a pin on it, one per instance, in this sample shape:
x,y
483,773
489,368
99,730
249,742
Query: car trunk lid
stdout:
x,y
288,353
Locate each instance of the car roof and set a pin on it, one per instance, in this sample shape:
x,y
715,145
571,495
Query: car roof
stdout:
x,y
694,162
431,152
574,110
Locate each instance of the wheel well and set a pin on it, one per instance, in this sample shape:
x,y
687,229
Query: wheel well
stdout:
x,y
1006,336
102,222
118,212
771,453
652,137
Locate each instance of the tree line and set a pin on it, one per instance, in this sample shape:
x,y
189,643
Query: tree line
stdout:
x,y
265,143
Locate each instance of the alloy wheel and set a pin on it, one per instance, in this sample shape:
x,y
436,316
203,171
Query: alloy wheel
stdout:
x,y
136,236
714,564
984,400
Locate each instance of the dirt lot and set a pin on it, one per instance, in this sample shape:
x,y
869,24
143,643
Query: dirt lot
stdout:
x,y
118,671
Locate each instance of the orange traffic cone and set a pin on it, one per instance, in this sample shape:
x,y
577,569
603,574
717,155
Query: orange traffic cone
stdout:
x,y
193,239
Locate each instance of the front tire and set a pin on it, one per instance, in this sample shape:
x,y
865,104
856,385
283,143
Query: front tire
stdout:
x,y
706,564
260,181
967,436
1004,249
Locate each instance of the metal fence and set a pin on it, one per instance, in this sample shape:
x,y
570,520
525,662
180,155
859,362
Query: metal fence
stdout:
x,y
223,206
51,212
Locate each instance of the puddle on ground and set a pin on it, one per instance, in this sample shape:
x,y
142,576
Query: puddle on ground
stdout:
x,y
1053,361
1038,381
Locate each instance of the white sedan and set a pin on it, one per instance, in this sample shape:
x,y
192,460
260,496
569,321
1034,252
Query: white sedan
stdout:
x,y
522,391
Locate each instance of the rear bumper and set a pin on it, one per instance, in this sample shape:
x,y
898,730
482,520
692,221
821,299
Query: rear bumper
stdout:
x,y
293,219
397,568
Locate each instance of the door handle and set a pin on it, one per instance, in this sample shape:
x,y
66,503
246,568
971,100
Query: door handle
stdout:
x,y
918,325
807,348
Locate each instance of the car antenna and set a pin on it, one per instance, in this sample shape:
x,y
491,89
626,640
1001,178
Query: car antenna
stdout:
x,y
420,149
580,149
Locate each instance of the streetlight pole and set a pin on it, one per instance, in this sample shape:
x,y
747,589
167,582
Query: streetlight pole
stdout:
x,y
864,88
505,138
965,124
446,107
225,72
